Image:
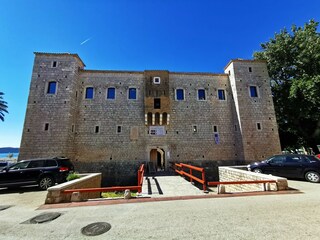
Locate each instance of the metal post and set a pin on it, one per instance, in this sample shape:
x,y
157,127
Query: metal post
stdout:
x,y
191,180
204,181
139,176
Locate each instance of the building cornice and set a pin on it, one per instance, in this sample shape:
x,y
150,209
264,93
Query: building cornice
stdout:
x,y
243,60
142,72
110,71
61,54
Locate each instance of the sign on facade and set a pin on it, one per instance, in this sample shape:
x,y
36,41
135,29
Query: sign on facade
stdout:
x,y
157,130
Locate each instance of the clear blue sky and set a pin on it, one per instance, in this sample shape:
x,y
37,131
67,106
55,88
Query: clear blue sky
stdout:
x,y
176,35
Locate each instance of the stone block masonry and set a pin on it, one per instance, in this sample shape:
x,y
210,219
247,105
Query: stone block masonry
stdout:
x,y
104,118
229,174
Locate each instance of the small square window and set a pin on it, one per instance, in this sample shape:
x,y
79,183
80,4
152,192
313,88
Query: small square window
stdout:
x,y
96,129
194,129
54,64
201,94
253,91
157,103
179,94
250,69
119,129
132,93
52,87
111,93
156,80
46,127
215,129
89,93
221,94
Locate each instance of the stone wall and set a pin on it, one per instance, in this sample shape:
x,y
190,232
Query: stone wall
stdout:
x,y
55,194
49,116
257,144
113,173
100,133
229,174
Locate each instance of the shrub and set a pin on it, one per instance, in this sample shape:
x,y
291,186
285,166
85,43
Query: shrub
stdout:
x,y
73,176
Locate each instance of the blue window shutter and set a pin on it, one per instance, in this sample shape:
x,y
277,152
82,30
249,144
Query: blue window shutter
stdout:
x,y
89,92
132,93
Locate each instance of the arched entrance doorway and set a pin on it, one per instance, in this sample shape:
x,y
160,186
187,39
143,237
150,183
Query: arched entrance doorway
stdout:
x,y
157,157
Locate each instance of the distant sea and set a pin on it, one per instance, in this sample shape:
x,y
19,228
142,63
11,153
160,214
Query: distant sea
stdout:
x,y
5,155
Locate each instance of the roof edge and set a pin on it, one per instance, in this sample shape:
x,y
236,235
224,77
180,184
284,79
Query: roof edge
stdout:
x,y
141,72
61,54
243,60
111,71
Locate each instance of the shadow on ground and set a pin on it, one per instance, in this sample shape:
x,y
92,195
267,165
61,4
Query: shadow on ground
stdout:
x,y
19,190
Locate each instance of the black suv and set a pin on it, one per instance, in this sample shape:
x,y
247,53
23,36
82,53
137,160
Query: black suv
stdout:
x,y
43,172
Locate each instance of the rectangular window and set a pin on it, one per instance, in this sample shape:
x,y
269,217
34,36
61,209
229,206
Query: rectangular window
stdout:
x,y
253,91
52,87
96,129
179,94
132,93
221,94
259,126
201,94
54,64
215,129
119,129
111,94
46,127
157,103
72,128
250,69
156,80
89,93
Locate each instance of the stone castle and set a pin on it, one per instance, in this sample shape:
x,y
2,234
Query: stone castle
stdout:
x,y
152,115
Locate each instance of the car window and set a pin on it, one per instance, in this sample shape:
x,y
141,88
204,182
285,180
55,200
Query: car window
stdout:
x,y
276,159
64,162
21,165
294,159
311,158
36,164
51,163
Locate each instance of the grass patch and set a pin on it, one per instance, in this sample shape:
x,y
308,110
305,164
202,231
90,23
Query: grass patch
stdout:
x,y
116,194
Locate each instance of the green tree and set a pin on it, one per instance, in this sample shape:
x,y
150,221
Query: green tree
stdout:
x,y
293,60
3,107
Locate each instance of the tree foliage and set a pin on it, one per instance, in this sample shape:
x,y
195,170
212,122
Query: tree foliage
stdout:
x,y
3,107
293,60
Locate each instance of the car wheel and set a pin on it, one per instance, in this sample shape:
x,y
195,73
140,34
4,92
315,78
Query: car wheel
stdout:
x,y
312,177
257,170
46,182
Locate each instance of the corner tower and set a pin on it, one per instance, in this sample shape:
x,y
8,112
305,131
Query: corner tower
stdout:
x,y
51,109
250,84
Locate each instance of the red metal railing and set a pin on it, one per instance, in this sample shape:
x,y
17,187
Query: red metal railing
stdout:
x,y
137,188
190,174
140,176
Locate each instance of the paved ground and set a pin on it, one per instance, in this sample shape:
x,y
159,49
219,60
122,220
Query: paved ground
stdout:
x,y
166,186
294,216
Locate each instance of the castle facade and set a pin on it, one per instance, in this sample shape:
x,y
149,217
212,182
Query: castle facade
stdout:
x,y
152,115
